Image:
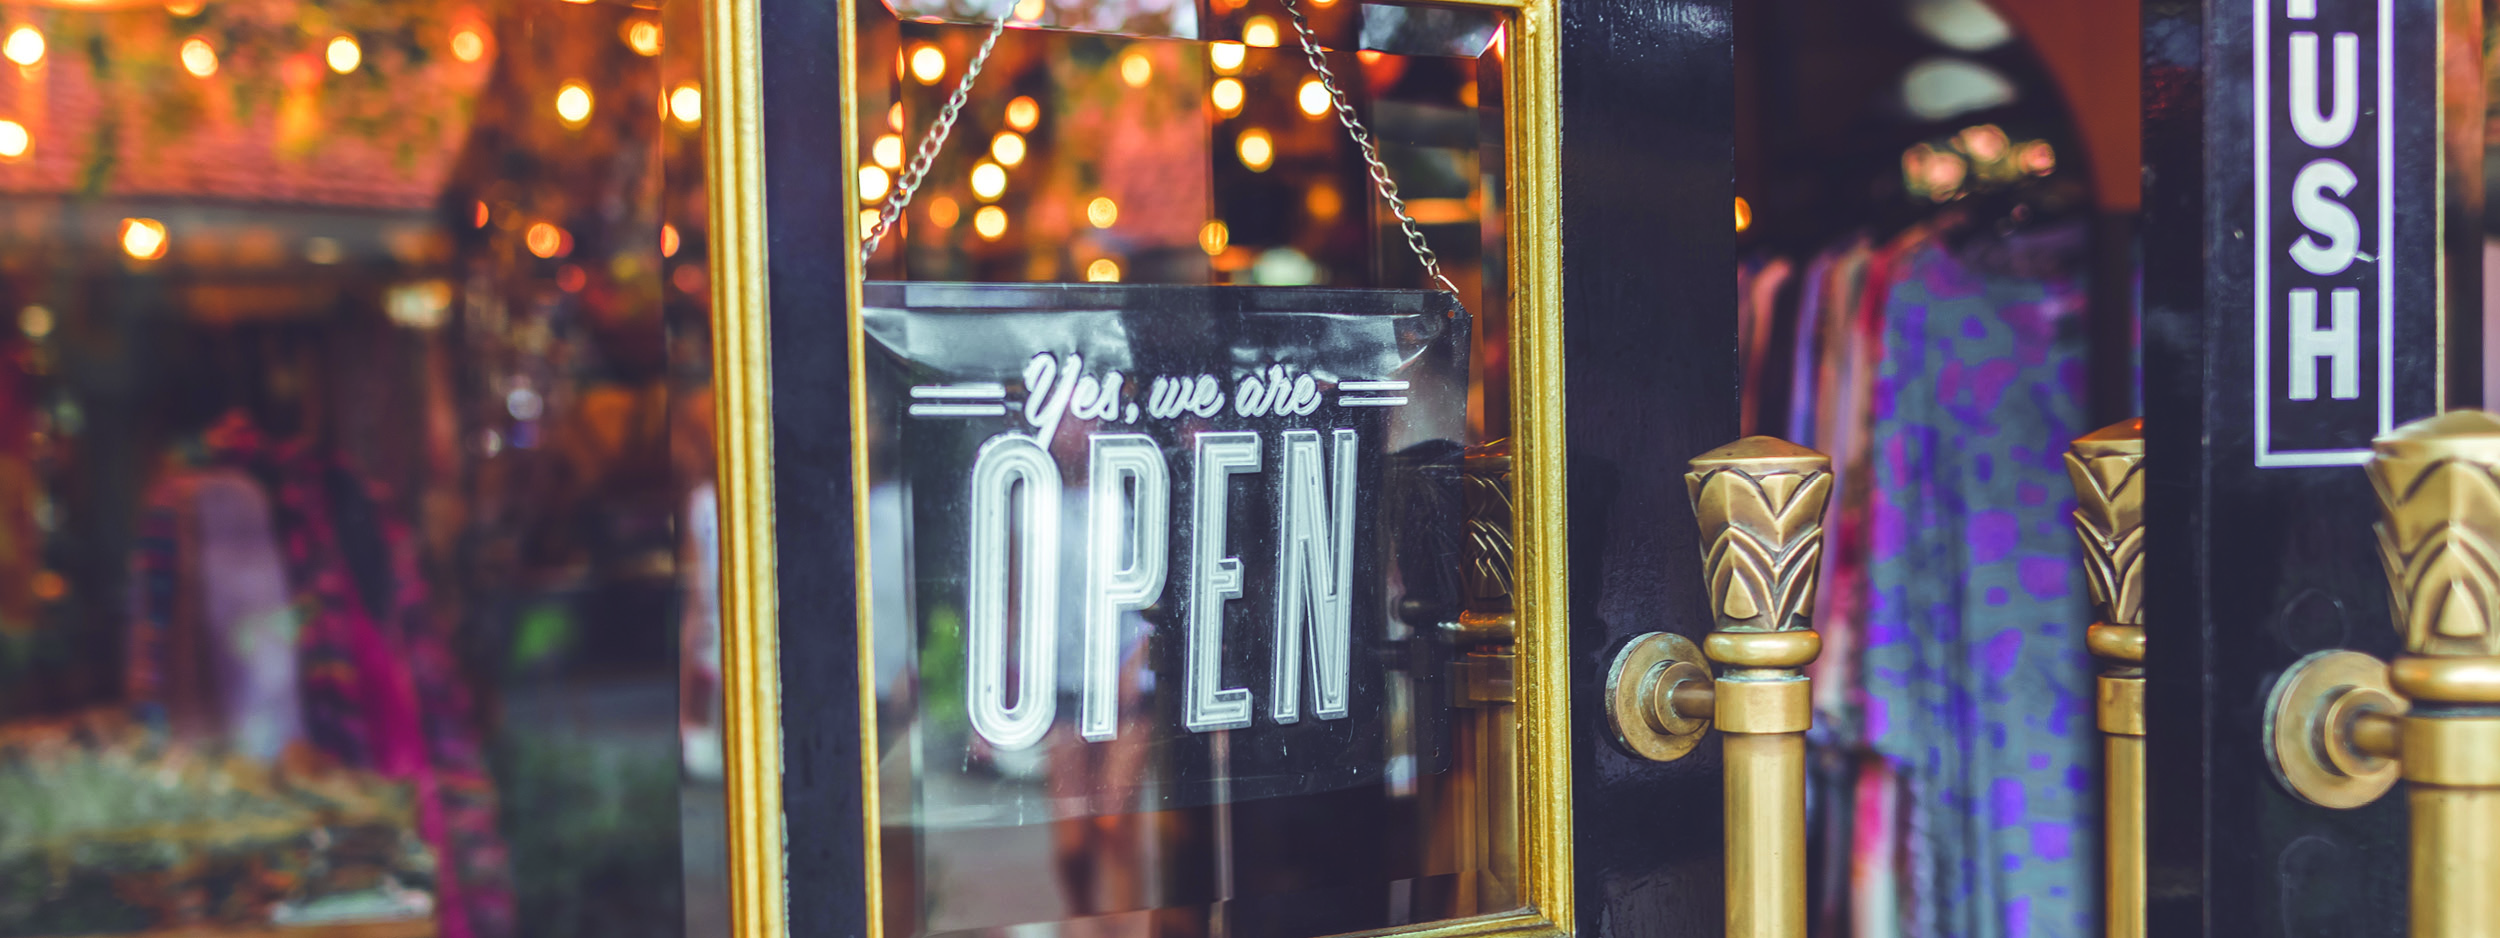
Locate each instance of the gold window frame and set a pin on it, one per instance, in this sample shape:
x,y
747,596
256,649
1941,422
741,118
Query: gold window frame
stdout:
x,y
742,361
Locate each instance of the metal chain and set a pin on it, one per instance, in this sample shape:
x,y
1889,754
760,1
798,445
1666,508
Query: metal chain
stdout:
x,y
1371,152
931,142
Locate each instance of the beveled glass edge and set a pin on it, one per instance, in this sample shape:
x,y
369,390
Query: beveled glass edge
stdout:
x,y
742,364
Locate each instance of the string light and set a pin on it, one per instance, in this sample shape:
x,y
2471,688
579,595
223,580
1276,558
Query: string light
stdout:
x,y
1256,149
143,238
1226,95
14,140
1259,31
467,45
867,221
894,115
1744,214
990,222
1213,236
1029,10
945,212
872,184
988,181
1022,113
184,8
669,241
544,240
343,55
887,151
1102,212
1007,148
477,214
686,103
643,36
1227,56
1136,70
198,57
1313,98
24,46
928,64
573,104
1103,270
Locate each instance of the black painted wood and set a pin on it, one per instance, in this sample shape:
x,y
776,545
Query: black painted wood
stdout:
x,y
1649,306
2250,569
804,198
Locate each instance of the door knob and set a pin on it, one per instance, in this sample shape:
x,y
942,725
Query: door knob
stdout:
x,y
1760,504
2343,726
2107,468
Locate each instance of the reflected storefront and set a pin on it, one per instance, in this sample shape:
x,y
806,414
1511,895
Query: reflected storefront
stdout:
x,y
355,470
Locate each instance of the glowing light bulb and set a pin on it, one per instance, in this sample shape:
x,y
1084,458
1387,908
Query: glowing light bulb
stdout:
x,y
477,214
14,140
1007,148
1029,10
1136,70
990,222
945,212
573,103
1313,98
928,64
1103,270
643,36
1213,236
468,45
887,151
1257,150
1226,95
184,7
686,103
1744,214
1227,56
894,116
198,57
1102,212
343,55
669,241
544,240
1022,113
143,238
1259,31
872,183
988,181
867,221
24,46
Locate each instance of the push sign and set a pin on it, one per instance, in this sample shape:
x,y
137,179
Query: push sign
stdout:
x,y
2326,231
1151,517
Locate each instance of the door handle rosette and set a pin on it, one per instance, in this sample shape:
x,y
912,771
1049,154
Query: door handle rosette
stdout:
x,y
1760,504
2343,726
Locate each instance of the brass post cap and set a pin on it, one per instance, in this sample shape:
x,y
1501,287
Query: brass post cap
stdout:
x,y
1791,649
2121,643
2106,467
1759,502
1758,455
2439,532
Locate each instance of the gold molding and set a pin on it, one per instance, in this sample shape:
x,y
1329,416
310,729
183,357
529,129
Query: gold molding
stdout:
x,y
733,146
742,365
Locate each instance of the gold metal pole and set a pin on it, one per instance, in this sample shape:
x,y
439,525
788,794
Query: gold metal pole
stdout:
x,y
2438,484
2107,469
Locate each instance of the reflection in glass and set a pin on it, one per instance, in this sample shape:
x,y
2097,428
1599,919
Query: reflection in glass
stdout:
x,y
354,469
1176,152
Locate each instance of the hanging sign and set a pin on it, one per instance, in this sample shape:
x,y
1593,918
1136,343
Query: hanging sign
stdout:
x,y
1176,518
2335,262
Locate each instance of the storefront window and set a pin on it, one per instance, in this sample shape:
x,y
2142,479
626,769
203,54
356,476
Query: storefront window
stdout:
x,y
1143,333
355,459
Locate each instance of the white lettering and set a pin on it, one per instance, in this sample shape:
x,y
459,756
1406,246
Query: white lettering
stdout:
x,y
2340,343
1214,581
1112,588
1315,563
2330,130
1006,462
2325,216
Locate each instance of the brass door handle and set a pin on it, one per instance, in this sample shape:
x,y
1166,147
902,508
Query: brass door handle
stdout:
x,y
2107,468
1760,504
2343,726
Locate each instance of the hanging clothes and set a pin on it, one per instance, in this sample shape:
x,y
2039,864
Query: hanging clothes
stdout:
x,y
1978,691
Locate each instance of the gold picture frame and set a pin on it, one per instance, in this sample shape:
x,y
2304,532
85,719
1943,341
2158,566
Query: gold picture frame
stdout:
x,y
750,671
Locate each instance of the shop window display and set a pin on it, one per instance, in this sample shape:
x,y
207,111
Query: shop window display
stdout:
x,y
354,470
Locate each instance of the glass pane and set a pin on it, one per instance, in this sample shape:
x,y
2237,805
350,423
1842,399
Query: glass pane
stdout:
x,y
354,468
1166,423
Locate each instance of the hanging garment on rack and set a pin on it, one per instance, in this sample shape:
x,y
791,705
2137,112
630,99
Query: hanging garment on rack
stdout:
x,y
1758,309
1976,685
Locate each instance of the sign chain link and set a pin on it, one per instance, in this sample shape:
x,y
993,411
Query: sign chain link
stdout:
x,y
932,141
1371,151
935,140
